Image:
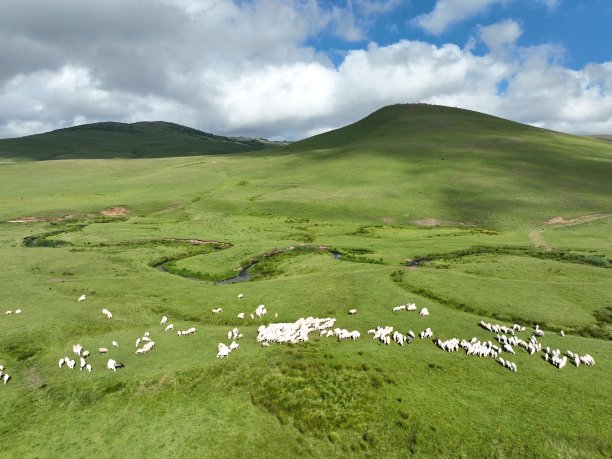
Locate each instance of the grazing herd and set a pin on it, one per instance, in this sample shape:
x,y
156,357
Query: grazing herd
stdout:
x,y
299,331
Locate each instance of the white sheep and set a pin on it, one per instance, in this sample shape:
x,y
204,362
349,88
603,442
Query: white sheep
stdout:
x,y
424,312
82,298
241,315
352,311
107,313
223,351
103,350
115,344
88,367
17,311
6,378
113,365
61,362
8,313
216,311
240,296
164,319
83,363
169,327
261,310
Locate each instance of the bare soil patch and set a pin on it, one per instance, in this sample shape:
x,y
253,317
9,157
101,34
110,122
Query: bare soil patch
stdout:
x,y
196,241
39,219
118,211
560,221
536,239
436,222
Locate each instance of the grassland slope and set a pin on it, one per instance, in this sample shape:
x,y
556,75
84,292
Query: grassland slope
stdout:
x,y
137,140
457,165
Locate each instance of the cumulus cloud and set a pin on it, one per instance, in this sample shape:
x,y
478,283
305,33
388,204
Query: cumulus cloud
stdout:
x,y
448,12
246,68
500,35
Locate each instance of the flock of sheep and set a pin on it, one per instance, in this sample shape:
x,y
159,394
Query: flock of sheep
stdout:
x,y
298,332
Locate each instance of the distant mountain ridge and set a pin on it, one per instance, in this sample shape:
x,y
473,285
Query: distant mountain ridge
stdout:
x,y
144,139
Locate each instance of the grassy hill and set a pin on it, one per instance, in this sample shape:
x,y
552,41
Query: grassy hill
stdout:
x,y
121,140
474,217
415,162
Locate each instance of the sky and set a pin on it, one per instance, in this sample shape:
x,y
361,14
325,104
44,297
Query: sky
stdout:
x,y
289,69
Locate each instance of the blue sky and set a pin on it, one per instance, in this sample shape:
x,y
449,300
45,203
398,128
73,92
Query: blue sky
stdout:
x,y
583,28
294,68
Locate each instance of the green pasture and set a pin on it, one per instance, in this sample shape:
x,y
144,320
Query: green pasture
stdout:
x,y
464,196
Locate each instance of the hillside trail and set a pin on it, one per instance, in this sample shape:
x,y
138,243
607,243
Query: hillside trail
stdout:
x,y
535,236
560,221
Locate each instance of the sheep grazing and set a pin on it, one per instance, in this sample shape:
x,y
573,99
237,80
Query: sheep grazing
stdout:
x,y
137,342
77,348
102,350
83,363
240,296
241,315
562,333
427,333
8,313
405,307
537,332
17,311
61,362
112,365
88,367
82,298
164,319
424,312
352,311
222,351
169,327
216,311
189,331
107,313
450,345
71,363
146,348
85,354
295,332
261,310
6,378
115,344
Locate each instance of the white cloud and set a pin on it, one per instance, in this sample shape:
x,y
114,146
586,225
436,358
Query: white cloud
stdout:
x,y
551,5
448,12
262,79
500,35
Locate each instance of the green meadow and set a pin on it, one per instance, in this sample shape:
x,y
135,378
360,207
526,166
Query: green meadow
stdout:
x,y
450,209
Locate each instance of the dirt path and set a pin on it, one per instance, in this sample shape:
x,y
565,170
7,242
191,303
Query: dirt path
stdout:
x,y
536,239
560,221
